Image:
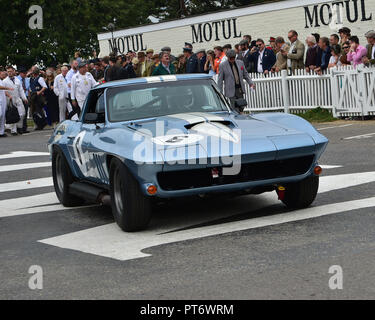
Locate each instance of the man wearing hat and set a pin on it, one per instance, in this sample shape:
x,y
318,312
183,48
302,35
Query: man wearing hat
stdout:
x,y
18,98
370,58
272,45
168,49
60,88
25,82
201,55
37,101
191,60
148,62
245,54
140,67
3,102
232,73
82,82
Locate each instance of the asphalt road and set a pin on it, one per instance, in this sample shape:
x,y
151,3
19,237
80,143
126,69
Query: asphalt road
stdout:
x,y
249,247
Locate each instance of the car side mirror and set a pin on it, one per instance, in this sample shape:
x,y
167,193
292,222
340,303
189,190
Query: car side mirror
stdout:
x,y
94,118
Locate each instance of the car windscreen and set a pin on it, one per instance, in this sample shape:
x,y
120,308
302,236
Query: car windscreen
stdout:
x,y
150,100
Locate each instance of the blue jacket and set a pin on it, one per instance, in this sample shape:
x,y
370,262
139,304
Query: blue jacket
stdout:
x,y
322,59
27,84
268,60
192,64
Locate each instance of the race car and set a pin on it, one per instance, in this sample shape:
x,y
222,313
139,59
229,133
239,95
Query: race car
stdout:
x,y
145,139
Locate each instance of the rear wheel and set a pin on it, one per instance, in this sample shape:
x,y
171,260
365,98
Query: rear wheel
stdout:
x,y
302,193
62,178
131,208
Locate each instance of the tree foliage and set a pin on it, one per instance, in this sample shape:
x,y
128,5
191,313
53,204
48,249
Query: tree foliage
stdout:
x,y
73,25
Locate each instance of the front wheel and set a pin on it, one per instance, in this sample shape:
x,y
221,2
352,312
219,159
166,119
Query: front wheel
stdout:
x,y
62,178
301,194
131,208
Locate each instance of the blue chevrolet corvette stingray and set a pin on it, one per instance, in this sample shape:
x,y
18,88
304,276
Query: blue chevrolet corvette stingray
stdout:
x,y
143,139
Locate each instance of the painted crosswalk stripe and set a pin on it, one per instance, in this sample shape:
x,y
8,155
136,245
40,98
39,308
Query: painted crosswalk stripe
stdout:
x,y
109,241
27,184
22,154
46,202
24,166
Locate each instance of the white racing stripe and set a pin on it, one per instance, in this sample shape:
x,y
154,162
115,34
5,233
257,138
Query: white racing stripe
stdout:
x,y
22,154
109,241
15,167
27,184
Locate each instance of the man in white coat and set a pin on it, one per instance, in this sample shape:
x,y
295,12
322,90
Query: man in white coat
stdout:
x,y
60,87
17,95
3,103
82,82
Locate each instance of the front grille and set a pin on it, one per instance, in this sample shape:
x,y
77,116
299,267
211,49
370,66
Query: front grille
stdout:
x,y
197,178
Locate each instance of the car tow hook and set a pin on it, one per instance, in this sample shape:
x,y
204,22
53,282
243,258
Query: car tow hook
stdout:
x,y
281,192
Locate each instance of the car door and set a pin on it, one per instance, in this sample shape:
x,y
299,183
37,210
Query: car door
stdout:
x,y
88,145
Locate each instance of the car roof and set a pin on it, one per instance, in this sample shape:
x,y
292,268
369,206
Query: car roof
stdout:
x,y
155,79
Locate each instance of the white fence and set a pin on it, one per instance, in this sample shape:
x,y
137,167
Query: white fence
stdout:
x,y
345,91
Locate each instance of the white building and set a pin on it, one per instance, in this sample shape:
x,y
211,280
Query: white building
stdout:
x,y
262,21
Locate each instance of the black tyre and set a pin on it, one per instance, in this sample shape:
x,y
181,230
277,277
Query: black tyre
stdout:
x,y
130,207
301,194
62,178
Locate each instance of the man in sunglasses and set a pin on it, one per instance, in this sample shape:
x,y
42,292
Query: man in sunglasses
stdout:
x,y
296,52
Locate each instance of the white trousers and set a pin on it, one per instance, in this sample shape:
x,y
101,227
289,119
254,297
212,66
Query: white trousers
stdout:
x,y
21,111
63,103
2,117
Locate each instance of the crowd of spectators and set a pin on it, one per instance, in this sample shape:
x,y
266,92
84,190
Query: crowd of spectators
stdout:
x,y
53,94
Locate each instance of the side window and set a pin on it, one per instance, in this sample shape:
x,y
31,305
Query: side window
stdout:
x,y
100,107
95,105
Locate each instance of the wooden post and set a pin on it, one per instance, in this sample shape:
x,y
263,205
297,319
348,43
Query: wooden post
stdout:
x,y
285,88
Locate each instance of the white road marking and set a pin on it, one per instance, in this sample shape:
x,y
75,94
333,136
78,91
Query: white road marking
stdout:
x,y
362,136
333,127
109,241
34,204
343,181
327,167
27,184
21,154
15,167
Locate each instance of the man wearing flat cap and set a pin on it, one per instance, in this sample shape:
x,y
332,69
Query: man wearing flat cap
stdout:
x,y
169,50
191,60
82,82
232,73
25,82
201,55
245,54
370,57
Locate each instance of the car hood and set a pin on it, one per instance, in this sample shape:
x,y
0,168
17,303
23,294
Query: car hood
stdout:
x,y
223,134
